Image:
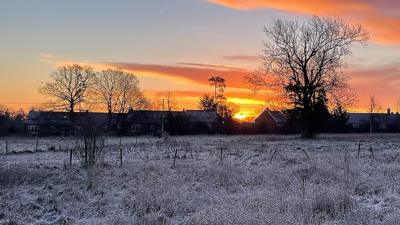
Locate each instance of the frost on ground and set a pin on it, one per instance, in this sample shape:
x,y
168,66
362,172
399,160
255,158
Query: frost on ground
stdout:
x,y
256,180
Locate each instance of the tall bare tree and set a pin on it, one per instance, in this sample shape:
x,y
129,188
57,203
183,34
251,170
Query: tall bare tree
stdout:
x,y
106,91
343,99
208,103
373,107
164,101
68,86
171,100
140,102
305,61
219,86
118,91
130,97
129,90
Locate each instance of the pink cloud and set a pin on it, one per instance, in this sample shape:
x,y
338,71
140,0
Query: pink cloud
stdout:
x,y
197,73
380,21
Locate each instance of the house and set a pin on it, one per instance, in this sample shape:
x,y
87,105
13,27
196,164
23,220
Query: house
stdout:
x,y
384,122
150,122
144,122
47,123
270,121
60,123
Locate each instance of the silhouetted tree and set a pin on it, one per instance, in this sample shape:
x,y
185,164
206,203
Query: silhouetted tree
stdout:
x,y
320,114
11,121
68,86
208,103
131,98
341,100
5,120
171,101
305,60
339,120
219,86
118,91
373,107
224,110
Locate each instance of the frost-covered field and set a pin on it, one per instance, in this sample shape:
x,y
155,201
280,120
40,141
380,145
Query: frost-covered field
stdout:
x,y
260,180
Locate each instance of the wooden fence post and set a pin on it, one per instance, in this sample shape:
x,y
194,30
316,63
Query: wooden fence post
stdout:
x,y
372,152
120,156
273,154
175,155
120,150
305,153
220,157
6,147
70,157
37,143
359,149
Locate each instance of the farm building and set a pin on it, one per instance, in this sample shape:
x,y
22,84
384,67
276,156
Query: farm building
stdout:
x,y
45,123
383,122
174,122
270,121
143,122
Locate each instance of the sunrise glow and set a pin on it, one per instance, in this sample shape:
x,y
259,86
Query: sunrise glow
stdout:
x,y
244,116
168,55
240,116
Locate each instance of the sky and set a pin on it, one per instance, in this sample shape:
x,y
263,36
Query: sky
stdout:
x,y
176,45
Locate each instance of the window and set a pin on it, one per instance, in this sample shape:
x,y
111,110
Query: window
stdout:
x,y
33,129
136,127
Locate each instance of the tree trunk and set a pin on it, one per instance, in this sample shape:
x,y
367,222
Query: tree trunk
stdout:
x,y
370,123
109,118
71,109
71,117
307,130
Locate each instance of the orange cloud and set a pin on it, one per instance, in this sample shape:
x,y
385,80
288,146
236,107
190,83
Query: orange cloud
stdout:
x,y
382,82
246,58
376,19
196,73
190,99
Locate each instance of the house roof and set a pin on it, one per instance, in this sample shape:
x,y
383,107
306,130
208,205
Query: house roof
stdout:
x,y
192,115
360,118
63,118
277,116
201,116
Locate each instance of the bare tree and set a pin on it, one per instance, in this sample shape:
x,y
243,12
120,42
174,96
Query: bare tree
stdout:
x,y
274,101
106,91
373,107
117,91
304,61
164,101
140,102
171,101
344,98
130,97
129,91
68,86
208,103
219,86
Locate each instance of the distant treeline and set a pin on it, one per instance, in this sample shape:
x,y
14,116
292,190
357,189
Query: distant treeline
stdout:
x,y
11,122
